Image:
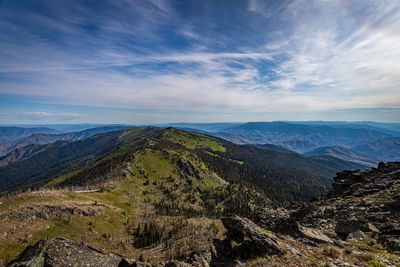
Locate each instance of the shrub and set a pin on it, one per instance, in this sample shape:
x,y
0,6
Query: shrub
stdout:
x,y
366,257
377,263
332,252
348,250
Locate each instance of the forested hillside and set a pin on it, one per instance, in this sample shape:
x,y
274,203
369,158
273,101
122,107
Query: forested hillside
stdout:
x,y
280,176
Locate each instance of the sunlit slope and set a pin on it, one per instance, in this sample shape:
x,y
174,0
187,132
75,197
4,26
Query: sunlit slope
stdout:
x,y
58,157
282,177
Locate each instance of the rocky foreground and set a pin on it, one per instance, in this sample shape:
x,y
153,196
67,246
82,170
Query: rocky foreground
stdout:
x,y
356,224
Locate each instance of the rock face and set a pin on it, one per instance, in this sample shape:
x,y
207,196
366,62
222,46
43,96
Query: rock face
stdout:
x,y
244,240
239,228
272,219
64,252
60,252
366,202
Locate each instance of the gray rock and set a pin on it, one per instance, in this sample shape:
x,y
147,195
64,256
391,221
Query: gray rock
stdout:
x,y
60,252
346,227
312,234
239,228
64,252
356,236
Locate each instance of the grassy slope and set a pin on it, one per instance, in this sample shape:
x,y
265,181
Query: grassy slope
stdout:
x,y
144,179
61,156
165,180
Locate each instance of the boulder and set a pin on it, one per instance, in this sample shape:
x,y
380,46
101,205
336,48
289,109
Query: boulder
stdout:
x,y
312,234
356,236
239,228
345,227
272,219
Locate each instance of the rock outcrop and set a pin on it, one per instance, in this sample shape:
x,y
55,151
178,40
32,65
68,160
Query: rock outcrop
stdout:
x,y
240,228
366,201
61,252
64,252
244,240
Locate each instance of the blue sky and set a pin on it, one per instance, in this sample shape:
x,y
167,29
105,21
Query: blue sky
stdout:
x,y
156,61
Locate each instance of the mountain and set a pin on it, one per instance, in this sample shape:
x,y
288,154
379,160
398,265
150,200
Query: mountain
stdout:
x,y
391,128
274,148
343,153
385,149
329,161
273,132
19,154
66,128
11,133
281,176
337,164
42,138
355,224
298,145
205,127
51,159
166,195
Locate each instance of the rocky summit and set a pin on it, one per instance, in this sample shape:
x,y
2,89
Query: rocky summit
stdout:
x,y
356,224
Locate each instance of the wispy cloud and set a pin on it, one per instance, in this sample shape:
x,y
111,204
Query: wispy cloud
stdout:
x,y
294,55
50,114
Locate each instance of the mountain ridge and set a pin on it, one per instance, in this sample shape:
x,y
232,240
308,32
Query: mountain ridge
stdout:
x,y
10,133
343,153
230,161
42,138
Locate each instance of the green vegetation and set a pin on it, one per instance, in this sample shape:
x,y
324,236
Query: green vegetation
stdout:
x,y
376,263
157,185
332,252
147,236
194,140
279,176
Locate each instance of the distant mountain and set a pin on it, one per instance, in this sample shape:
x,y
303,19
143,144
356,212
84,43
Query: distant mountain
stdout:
x,y
205,127
273,132
11,133
279,176
42,138
298,145
385,149
274,148
19,154
338,164
391,128
343,153
66,128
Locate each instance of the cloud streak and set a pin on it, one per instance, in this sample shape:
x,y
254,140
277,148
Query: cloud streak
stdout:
x,y
299,55
50,114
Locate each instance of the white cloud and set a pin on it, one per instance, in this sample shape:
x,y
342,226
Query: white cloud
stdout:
x,y
330,58
50,114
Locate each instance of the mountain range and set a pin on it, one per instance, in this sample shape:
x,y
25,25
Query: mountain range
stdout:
x,y
373,141
166,197
158,194
282,176
43,138
343,153
11,133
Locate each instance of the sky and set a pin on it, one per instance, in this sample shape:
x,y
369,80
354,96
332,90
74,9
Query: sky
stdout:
x,y
160,61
